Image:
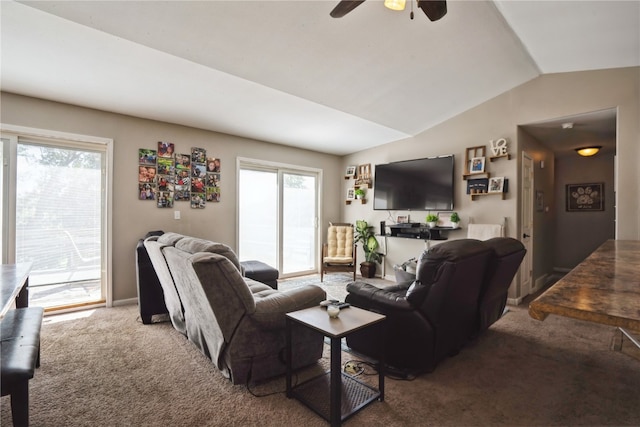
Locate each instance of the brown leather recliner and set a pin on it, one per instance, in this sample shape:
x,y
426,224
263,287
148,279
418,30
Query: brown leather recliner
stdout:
x,y
433,317
507,256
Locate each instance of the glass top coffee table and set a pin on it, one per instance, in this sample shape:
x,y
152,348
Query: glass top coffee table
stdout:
x,y
324,393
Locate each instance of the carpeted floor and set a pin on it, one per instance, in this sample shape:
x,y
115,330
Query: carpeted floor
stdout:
x,y
105,368
335,284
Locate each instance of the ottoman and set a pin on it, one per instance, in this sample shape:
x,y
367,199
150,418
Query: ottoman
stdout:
x,y
261,272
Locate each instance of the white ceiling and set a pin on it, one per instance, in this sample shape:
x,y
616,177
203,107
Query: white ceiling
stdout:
x,y
286,72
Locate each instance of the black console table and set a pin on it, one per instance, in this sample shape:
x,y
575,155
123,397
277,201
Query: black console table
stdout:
x,y
420,231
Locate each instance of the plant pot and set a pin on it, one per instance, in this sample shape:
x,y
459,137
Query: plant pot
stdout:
x,y
455,224
368,269
431,224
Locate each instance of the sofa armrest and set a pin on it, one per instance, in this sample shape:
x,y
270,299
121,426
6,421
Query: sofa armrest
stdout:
x,y
271,308
367,296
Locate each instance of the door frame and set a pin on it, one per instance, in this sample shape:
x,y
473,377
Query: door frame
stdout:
x,y
13,133
283,167
527,239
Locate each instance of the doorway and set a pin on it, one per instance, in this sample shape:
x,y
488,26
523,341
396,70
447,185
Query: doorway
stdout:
x,y
562,238
277,215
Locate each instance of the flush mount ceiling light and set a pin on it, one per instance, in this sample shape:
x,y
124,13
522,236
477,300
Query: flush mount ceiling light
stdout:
x,y
588,151
395,4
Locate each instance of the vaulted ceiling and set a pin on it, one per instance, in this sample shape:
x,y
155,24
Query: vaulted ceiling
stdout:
x,y
288,73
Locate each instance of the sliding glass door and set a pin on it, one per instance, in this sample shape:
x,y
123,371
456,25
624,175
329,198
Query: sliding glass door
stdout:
x,y
54,216
277,216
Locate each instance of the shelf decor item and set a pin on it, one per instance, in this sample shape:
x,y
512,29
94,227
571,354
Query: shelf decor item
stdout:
x,y
350,172
496,184
432,220
455,219
477,165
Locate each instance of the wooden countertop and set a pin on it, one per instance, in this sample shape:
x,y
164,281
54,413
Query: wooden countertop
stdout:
x,y
604,288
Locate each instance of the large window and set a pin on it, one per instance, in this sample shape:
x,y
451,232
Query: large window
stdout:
x,y
278,211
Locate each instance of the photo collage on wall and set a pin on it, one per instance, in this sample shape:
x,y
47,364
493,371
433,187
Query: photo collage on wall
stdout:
x,y
167,177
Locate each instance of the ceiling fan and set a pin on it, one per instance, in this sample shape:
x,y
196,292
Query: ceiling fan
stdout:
x,y
434,9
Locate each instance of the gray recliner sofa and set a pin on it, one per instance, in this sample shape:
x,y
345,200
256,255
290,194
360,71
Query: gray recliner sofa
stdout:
x,y
237,322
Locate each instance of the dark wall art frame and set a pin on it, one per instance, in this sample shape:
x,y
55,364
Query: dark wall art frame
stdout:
x,y
585,197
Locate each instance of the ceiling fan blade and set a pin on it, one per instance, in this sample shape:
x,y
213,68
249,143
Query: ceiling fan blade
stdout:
x,y
434,9
344,7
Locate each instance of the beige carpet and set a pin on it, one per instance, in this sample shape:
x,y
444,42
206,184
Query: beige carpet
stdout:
x,y
108,369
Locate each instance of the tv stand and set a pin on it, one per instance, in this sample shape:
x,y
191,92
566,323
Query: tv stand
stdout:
x,y
420,231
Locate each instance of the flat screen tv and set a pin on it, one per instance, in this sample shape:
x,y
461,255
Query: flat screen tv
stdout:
x,y
414,185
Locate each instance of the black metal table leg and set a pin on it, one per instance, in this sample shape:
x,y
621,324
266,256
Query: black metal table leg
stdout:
x,y
336,383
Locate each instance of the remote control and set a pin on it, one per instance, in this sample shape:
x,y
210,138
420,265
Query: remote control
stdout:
x,y
329,302
342,305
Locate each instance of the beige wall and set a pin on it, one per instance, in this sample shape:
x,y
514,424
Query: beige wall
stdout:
x,y
580,233
544,98
132,218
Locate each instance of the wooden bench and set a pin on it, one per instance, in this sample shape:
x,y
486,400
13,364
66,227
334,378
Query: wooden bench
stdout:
x,y
20,352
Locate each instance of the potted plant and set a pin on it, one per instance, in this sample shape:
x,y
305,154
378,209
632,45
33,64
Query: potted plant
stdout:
x,y
359,193
364,235
432,220
455,219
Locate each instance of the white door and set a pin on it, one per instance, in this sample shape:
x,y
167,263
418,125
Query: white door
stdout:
x,y
526,269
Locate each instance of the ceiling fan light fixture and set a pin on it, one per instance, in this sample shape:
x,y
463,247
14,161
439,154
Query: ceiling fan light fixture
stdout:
x,y
588,151
395,4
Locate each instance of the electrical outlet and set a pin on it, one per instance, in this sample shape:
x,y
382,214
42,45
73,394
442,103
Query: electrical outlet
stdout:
x,y
176,214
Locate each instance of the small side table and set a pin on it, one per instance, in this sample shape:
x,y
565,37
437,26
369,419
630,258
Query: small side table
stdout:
x,y
313,392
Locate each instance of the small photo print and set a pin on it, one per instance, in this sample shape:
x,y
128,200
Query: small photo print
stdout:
x,y
496,185
198,200
197,185
351,193
166,149
183,162
477,165
213,179
213,164
166,183
198,171
146,191
166,166
182,188
402,219
165,199
147,174
198,155
182,195
183,178
213,194
350,172
147,157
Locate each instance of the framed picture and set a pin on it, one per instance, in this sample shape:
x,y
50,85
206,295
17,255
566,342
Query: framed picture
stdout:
x,y
351,193
350,172
496,185
539,201
477,165
585,197
402,219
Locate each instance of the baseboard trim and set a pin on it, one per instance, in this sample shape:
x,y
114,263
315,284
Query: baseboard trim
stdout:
x,y
539,283
514,301
128,301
